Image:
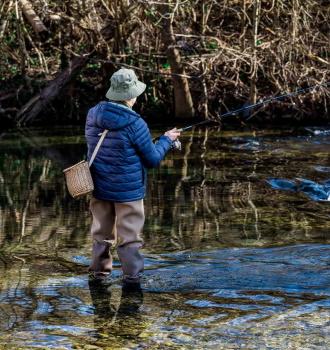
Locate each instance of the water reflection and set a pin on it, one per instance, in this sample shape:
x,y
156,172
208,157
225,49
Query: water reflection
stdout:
x,y
116,310
199,291
213,193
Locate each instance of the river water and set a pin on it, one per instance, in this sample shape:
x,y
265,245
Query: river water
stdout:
x,y
237,246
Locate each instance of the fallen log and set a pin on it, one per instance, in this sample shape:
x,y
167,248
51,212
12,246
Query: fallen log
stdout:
x,y
10,94
6,111
31,16
39,102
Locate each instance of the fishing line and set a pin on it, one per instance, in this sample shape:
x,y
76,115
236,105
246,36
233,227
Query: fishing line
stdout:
x,y
259,103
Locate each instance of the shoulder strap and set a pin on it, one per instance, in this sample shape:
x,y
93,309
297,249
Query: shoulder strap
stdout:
x,y
97,147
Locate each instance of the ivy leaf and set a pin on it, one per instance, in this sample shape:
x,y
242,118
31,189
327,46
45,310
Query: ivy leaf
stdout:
x,y
213,45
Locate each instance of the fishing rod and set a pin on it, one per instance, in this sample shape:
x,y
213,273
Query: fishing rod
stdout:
x,y
260,103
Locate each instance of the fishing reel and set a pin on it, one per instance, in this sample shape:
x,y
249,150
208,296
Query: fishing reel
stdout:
x,y
176,145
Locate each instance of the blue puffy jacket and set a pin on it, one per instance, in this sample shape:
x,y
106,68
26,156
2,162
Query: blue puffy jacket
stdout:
x,y
118,170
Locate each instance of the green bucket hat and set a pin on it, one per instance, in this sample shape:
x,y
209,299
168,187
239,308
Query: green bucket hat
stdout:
x,y
124,85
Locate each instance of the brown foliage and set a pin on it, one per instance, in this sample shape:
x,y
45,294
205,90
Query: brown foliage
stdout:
x,y
231,51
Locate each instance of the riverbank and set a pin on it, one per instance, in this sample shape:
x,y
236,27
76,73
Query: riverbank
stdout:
x,y
198,61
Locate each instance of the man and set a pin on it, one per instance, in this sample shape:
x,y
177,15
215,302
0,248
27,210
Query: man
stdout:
x,y
119,175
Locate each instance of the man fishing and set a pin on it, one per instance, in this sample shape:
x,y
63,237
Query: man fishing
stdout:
x,y
119,176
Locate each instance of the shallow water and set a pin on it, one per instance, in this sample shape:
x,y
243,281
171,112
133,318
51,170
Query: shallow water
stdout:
x,y
231,263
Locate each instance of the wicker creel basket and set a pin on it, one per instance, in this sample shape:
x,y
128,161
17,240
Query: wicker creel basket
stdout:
x,y
78,176
78,179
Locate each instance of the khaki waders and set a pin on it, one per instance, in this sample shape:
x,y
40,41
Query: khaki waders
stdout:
x,y
120,224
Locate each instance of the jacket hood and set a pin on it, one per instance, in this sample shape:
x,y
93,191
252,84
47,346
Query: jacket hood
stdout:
x,y
115,116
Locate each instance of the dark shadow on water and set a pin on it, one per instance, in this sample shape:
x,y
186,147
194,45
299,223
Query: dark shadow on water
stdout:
x,y
130,302
119,319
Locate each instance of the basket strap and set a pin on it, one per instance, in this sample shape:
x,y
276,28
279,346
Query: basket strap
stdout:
x,y
97,147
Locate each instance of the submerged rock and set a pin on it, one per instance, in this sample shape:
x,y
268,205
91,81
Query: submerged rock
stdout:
x,y
295,269
322,169
318,132
283,184
315,191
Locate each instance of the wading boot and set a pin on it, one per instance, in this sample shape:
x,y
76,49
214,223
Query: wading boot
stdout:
x,y
101,265
132,265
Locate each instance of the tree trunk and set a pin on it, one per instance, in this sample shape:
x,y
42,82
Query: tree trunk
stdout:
x,y
254,63
182,98
5,20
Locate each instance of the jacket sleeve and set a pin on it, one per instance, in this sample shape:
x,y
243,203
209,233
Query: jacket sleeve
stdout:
x,y
150,153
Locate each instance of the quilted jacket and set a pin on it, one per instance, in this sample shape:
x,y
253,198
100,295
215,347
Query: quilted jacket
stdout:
x,y
118,170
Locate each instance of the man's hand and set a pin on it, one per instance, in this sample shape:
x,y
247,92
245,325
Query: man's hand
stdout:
x,y
173,134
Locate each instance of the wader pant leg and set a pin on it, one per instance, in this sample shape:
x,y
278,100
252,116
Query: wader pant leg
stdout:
x,y
103,234
129,224
127,219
